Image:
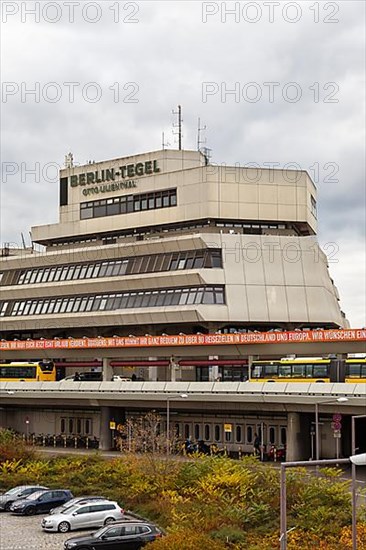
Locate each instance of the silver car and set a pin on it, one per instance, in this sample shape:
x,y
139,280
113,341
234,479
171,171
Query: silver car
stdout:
x,y
84,516
20,492
74,502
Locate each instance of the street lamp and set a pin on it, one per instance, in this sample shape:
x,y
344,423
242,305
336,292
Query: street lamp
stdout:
x,y
168,398
317,441
359,460
353,470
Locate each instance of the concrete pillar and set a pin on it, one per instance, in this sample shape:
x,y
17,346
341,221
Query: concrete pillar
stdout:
x,y
105,436
107,370
213,370
293,447
250,363
173,368
153,371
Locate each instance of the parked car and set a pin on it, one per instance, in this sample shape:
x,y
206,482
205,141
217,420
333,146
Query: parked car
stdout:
x,y
41,502
121,378
90,376
127,535
94,514
23,491
74,502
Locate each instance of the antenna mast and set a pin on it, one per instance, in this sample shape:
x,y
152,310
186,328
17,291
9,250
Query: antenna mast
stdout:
x,y
199,130
179,126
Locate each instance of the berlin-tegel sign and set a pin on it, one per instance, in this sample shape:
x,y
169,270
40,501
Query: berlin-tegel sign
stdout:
x,y
348,335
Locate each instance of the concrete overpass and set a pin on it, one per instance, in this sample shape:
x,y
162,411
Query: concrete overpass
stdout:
x,y
294,402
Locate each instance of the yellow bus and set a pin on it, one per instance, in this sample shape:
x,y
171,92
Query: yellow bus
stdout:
x,y
308,369
42,371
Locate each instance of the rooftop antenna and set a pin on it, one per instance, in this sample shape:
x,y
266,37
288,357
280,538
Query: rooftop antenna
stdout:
x,y
163,142
32,243
200,129
69,160
179,126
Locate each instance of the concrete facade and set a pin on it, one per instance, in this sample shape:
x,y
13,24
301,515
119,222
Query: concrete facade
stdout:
x,y
270,270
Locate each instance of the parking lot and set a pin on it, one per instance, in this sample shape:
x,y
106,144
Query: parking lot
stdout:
x,y
25,533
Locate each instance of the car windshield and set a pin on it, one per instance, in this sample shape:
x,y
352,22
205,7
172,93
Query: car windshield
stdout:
x,y
65,509
35,495
12,491
70,509
100,532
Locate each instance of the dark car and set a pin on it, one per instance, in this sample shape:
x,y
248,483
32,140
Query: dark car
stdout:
x,y
131,535
41,502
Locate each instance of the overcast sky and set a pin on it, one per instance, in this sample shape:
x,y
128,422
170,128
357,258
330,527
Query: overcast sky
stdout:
x,y
296,70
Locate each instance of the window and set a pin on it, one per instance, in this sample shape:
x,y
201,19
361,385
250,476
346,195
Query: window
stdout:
x,y
272,435
283,436
313,206
197,431
217,432
238,434
249,434
142,264
115,301
207,432
128,203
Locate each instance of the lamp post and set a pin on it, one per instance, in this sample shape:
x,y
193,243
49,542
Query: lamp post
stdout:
x,y
168,398
354,459
317,439
353,470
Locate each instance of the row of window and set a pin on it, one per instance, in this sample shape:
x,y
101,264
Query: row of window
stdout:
x,y
192,259
128,203
238,434
117,301
76,426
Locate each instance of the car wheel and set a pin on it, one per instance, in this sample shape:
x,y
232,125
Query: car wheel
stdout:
x,y
7,506
63,527
107,521
30,511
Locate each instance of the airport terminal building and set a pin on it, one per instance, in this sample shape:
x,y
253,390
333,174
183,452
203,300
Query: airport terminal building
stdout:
x,y
164,242
167,243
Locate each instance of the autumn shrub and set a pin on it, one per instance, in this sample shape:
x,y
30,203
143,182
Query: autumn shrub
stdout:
x,y
207,501
187,540
13,447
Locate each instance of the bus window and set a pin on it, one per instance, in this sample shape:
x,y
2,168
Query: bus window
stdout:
x,y
354,370
270,371
285,371
257,371
299,371
320,371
